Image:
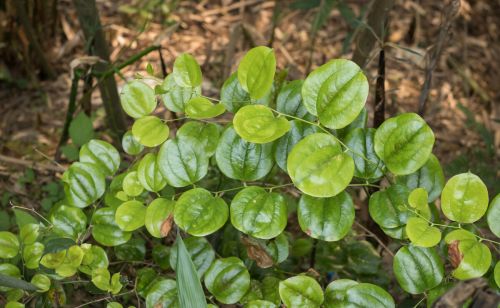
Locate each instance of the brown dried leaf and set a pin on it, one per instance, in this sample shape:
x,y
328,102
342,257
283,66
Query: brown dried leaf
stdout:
x,y
454,254
256,252
166,226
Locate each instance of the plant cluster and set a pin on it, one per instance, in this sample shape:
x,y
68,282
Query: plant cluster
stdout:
x,y
293,150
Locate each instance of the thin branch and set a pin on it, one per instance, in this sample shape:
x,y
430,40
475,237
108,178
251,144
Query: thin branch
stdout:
x,y
31,164
379,241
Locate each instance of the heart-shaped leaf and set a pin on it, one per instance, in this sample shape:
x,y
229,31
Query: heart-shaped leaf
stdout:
x,y
138,99
301,291
130,145
421,233
224,270
202,108
256,71
367,165
150,131
149,175
101,154
257,124
105,230
187,72
346,293
158,218
130,215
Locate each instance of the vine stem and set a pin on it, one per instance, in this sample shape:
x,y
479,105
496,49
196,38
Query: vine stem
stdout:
x,y
375,237
104,298
420,301
31,210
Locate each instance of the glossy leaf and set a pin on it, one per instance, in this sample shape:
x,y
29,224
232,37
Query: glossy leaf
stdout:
x,y
138,99
259,213
260,304
202,108
319,167
404,143
94,257
105,230
367,165
241,160
206,134
182,161
68,221
130,215
150,131
493,216
257,124
234,97
418,199
157,217
42,282
347,293
283,147
149,175
133,250
81,129
497,274
199,213
421,233
131,184
464,198
32,254
29,233
199,251
256,71
163,293
289,101
85,184
9,245
418,269
301,291
187,72
101,154
130,145
223,270
328,219
175,97
388,207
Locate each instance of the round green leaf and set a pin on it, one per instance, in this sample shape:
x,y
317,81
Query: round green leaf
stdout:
x,y
85,184
149,175
404,143
161,256
260,304
256,71
232,94
206,134
11,270
42,282
105,230
150,131
32,254
493,216
327,219
367,165
182,161
130,145
138,99
114,305
418,269
199,213
241,160
9,245
163,293
95,257
202,254
289,101
259,213
131,184
257,124
101,154
301,291
133,250
157,217
319,167
421,233
187,72
497,274
349,293
130,215
202,108
175,97
227,270
29,233
298,130
68,221
464,198
430,177
12,304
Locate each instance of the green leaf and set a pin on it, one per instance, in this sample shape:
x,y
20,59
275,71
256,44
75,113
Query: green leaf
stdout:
x,y
497,274
29,233
256,71
81,129
138,99
404,143
101,154
131,184
187,72
133,250
42,282
157,217
163,293
234,97
259,213
347,293
130,215
150,131
289,101
175,97
430,177
9,245
130,145
72,260
359,122
53,260
105,230
319,167
493,216
68,221
241,160
418,269
227,270
464,198
149,175
182,161
114,305
23,218
202,108
70,151
301,291
32,254
421,233
278,248
270,290
327,219
12,304
115,285
206,134
260,304
188,282
95,257
298,130
199,251
100,278
418,200
161,256
199,213
367,165
8,271
257,124
85,184
7,281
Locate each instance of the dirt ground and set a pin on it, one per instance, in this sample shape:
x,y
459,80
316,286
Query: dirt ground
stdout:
x,y
218,32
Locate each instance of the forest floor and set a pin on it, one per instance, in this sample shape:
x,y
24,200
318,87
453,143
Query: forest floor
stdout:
x,y
463,104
